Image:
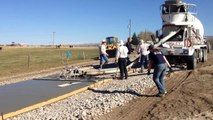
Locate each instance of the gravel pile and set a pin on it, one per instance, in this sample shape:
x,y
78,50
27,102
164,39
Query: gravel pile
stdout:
x,y
93,102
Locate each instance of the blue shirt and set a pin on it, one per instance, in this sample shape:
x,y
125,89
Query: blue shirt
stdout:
x,y
68,54
157,57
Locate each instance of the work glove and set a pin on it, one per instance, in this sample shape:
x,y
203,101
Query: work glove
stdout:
x,y
148,72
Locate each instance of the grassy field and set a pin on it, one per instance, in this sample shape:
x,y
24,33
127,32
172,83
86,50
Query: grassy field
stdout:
x,y
21,60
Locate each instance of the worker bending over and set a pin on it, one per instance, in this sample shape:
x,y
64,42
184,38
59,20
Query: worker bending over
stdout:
x,y
121,57
159,62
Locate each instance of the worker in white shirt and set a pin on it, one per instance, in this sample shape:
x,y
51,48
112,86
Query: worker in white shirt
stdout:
x,y
103,53
143,54
121,57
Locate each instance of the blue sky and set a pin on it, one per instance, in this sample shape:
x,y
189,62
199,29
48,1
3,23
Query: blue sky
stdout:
x,y
84,21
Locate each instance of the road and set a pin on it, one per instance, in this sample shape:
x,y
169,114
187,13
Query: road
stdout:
x,y
190,96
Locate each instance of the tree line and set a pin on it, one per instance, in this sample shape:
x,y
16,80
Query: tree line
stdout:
x,y
145,36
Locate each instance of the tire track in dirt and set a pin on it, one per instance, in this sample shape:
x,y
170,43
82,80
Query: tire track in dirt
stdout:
x,y
173,83
147,102
192,99
190,96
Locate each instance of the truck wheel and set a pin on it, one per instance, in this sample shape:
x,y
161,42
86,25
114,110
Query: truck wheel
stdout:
x,y
192,62
209,47
204,57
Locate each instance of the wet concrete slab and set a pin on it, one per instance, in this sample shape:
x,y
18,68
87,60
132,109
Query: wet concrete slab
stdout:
x,y
20,95
16,96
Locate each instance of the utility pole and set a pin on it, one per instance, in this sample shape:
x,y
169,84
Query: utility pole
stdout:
x,y
53,37
129,27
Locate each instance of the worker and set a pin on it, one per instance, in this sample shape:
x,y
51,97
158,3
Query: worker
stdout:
x,y
129,46
159,62
103,53
121,57
68,54
142,50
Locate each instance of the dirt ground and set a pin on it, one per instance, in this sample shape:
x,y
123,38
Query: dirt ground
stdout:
x,y
190,96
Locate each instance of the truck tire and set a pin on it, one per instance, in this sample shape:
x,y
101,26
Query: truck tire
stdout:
x,y
209,47
204,57
192,62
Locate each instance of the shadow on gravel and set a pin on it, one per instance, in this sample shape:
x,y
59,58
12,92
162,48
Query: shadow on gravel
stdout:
x,y
115,91
121,92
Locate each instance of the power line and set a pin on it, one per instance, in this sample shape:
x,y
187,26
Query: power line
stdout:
x,y
53,37
129,27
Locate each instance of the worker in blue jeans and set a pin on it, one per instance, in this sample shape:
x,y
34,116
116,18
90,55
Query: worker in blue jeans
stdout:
x,y
142,50
103,53
160,63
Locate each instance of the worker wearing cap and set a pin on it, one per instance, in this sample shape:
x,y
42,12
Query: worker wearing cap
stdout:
x,y
159,62
142,50
103,53
121,57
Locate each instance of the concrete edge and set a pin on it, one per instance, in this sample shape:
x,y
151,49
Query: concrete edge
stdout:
x,y
50,101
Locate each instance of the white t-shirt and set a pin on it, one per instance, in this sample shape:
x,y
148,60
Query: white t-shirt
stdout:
x,y
122,52
102,49
143,49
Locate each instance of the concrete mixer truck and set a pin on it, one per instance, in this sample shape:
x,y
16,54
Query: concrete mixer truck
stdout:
x,y
181,38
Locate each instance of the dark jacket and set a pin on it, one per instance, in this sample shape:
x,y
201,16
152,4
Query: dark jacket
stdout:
x,y
129,46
